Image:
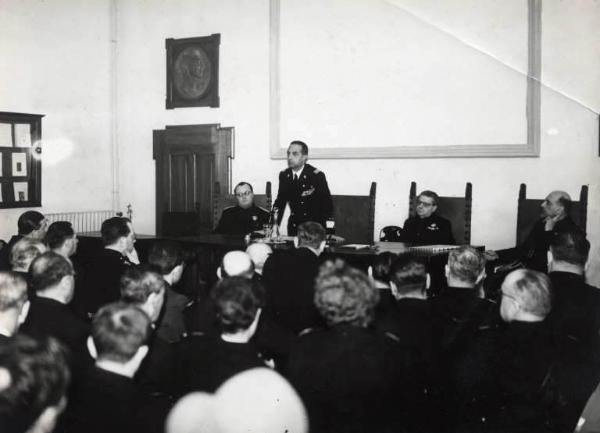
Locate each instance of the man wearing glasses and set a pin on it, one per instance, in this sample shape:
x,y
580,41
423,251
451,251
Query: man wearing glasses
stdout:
x,y
244,218
427,227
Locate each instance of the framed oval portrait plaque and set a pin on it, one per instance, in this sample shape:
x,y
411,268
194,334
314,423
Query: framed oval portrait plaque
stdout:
x,y
193,72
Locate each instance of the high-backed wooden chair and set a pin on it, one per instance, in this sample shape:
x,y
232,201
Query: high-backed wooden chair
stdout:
x,y
221,201
455,209
528,212
354,216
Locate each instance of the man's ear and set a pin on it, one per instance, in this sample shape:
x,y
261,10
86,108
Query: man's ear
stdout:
x,y
446,270
219,273
370,271
427,281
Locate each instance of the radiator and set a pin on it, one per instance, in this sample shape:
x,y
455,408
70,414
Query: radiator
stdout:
x,y
88,221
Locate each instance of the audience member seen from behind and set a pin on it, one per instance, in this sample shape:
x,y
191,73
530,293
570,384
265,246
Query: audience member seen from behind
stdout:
x,y
106,268
256,400
208,361
14,305
426,227
24,252
33,382
289,278
167,258
61,238
379,271
107,399
259,253
347,359
244,218
31,225
236,264
52,278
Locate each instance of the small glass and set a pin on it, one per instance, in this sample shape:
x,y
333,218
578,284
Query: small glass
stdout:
x,y
268,230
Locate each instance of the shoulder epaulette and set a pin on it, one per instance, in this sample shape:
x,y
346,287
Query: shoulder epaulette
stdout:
x,y
317,171
228,207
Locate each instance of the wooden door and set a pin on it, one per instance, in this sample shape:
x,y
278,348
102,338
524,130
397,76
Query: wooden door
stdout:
x,y
189,160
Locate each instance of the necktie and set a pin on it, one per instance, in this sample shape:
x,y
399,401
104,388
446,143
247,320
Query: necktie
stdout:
x,y
295,178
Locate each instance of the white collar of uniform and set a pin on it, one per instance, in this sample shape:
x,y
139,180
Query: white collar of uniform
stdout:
x,y
299,172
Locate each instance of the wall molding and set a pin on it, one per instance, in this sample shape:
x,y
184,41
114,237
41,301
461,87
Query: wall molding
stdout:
x,y
533,103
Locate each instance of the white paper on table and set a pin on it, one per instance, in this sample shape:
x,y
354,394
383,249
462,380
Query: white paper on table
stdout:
x,y
21,191
22,135
19,164
6,135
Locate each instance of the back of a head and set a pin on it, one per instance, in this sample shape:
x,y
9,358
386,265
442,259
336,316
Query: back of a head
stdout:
x,y
344,294
48,269
381,266
532,290
138,282
13,291
23,253
33,377
119,330
58,233
164,256
237,264
466,264
409,274
113,229
29,221
237,300
570,247
259,253
256,400
310,234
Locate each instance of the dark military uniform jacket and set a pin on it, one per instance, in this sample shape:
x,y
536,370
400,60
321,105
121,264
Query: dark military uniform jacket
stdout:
x,y
433,230
238,221
309,197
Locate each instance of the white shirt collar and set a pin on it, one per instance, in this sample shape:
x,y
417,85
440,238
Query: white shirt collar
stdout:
x,y
299,172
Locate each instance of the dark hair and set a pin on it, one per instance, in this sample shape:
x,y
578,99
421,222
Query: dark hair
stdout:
x,y
164,256
119,330
138,282
29,221
58,233
409,273
344,294
302,144
237,299
565,202
13,290
48,269
114,228
242,184
466,263
381,266
432,195
571,247
311,234
38,379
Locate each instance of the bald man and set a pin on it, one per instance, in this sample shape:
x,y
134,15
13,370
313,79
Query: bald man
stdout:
x,y
554,218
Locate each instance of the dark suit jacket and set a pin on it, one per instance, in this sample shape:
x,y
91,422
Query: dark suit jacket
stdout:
x,y
205,362
102,279
289,278
346,376
107,402
433,230
309,197
51,318
237,221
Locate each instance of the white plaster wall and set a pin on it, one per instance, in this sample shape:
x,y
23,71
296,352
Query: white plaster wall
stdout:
x,y
569,156
55,61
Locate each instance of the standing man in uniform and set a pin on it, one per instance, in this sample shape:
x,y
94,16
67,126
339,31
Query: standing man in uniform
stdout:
x,y
305,188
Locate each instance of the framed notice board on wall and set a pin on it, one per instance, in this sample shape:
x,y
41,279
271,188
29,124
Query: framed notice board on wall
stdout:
x,y
20,160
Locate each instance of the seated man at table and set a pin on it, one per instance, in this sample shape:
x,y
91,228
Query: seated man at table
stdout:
x,y
427,227
246,216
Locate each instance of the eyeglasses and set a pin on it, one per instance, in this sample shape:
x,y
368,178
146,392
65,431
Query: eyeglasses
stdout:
x,y
243,194
424,203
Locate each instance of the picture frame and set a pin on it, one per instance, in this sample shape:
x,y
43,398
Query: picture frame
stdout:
x,y
193,71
